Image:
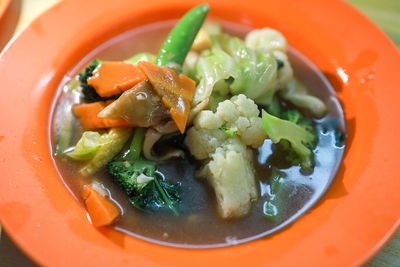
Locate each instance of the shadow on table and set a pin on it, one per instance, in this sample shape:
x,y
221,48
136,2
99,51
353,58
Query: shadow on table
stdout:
x,y
10,255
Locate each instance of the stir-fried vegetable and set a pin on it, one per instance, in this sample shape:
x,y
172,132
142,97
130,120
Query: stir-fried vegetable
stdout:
x,y
146,192
89,145
241,70
136,146
221,138
87,115
140,106
101,209
235,80
64,118
295,135
296,93
89,93
180,40
137,178
112,78
118,137
176,91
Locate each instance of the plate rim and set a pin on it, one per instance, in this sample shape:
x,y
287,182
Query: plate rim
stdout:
x,y
59,8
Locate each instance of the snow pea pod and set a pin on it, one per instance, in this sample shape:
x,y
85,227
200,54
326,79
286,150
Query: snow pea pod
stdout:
x,y
180,39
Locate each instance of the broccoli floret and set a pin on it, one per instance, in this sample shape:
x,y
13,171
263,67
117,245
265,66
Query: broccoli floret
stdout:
x,y
146,192
292,115
295,137
307,124
89,93
275,107
158,194
125,173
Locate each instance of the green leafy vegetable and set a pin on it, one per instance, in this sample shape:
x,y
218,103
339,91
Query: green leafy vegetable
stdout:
x,y
88,145
153,193
275,107
64,119
107,151
245,71
295,137
209,69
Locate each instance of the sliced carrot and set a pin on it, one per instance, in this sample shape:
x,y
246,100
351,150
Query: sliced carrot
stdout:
x,y
176,91
102,210
87,116
111,78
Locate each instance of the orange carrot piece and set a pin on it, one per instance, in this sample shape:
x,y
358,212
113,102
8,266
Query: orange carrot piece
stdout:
x,y
111,78
87,116
176,91
102,211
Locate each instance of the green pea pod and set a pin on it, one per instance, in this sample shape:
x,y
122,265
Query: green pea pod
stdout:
x,y
180,39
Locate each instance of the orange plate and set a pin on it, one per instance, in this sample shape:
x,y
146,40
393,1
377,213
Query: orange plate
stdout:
x,y
358,213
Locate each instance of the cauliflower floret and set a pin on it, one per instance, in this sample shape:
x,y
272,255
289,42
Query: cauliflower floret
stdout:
x,y
227,111
203,142
230,172
223,138
254,135
241,113
245,106
207,120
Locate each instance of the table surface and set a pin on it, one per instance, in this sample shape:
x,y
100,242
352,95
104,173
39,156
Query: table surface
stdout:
x,y
385,13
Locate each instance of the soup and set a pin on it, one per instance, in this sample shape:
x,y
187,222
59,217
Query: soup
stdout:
x,y
285,189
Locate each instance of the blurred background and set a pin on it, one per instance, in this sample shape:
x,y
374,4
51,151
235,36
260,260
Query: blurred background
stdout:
x,y
17,14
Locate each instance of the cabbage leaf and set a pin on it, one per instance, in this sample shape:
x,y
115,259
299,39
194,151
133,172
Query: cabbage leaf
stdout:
x,y
88,145
236,69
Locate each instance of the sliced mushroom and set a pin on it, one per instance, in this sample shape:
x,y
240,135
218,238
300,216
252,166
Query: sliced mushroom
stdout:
x,y
170,126
151,138
166,128
140,105
157,131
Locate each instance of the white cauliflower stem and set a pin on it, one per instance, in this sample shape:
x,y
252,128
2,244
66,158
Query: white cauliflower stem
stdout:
x,y
230,172
223,138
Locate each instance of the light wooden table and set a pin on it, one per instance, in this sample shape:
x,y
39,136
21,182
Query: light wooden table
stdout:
x,y
386,13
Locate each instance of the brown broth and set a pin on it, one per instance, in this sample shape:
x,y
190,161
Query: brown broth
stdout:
x,y
199,225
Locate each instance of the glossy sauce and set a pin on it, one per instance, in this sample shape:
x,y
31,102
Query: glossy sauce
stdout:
x,y
199,226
